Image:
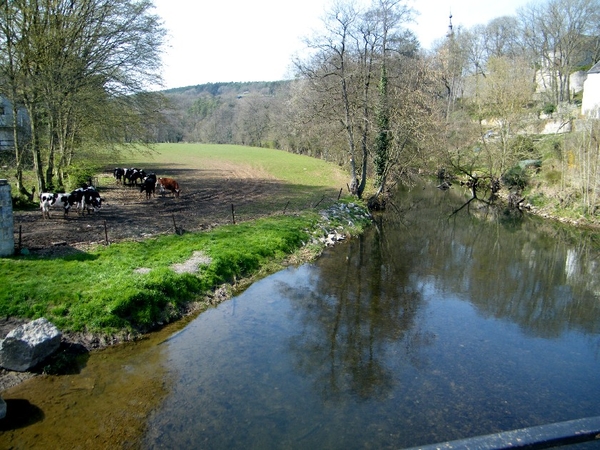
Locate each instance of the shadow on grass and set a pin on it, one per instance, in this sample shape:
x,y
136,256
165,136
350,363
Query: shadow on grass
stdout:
x,y
62,252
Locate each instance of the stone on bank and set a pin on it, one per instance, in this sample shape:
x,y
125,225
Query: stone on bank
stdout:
x,y
29,344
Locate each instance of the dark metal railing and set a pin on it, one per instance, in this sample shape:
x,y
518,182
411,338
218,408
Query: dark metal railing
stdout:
x,y
533,438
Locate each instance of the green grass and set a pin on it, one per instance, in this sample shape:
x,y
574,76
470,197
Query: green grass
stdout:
x,y
294,169
297,182
101,290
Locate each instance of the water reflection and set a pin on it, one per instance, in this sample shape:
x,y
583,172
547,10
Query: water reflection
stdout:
x,y
356,306
507,268
417,332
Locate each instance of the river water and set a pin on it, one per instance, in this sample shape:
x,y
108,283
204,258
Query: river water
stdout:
x,y
439,323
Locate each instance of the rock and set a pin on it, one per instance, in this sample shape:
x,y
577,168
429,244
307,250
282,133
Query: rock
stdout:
x,y
28,345
2,408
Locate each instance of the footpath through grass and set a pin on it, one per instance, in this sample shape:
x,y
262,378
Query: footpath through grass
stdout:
x,y
132,286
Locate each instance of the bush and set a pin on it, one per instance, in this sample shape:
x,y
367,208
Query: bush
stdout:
x,y
549,108
538,199
522,145
515,177
21,201
553,177
80,174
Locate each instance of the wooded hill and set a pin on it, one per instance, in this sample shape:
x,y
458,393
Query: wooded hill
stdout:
x,y
224,113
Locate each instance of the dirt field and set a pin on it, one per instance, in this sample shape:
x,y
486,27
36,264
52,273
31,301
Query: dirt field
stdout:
x,y
206,201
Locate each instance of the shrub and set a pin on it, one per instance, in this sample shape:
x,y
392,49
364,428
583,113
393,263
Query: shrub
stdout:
x,y
20,201
549,108
515,177
538,199
80,174
552,177
522,145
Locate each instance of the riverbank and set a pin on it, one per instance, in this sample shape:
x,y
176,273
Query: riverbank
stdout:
x,y
332,225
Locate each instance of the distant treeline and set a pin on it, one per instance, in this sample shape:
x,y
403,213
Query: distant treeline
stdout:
x,y
246,113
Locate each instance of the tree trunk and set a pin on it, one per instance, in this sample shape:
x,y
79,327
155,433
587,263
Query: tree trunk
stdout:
x,y
35,148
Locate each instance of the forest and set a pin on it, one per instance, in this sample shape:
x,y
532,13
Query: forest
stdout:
x,y
495,107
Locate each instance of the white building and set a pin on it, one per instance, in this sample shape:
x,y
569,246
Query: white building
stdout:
x,y
590,104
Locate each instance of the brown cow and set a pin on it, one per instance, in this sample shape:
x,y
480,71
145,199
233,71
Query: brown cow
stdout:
x,y
169,184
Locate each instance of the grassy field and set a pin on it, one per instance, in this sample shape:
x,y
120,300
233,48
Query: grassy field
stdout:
x,y
294,169
133,285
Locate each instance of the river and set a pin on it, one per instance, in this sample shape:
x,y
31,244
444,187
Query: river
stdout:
x,y
439,323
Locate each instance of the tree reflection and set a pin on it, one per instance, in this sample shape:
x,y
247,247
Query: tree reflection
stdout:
x,y
361,315
513,266
361,302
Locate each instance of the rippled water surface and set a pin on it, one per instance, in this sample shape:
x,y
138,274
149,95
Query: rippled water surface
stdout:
x,y
437,324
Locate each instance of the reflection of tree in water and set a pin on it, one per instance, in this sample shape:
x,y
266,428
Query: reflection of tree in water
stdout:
x,y
360,303
364,303
509,266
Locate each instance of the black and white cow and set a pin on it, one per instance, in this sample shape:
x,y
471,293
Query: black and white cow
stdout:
x,y
133,175
149,185
119,173
87,198
49,200
91,200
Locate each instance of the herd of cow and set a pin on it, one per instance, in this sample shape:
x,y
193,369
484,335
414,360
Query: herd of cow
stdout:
x,y
88,198
148,182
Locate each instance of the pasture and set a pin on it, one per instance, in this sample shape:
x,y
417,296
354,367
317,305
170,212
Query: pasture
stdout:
x,y
257,182
68,274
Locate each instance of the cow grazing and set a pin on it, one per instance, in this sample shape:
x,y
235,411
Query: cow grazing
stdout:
x,y
91,200
149,185
119,173
48,200
169,184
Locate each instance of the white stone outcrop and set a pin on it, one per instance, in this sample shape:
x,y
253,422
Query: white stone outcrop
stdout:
x,y
29,344
337,220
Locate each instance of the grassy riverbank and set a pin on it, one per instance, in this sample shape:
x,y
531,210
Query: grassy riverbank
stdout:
x,y
135,285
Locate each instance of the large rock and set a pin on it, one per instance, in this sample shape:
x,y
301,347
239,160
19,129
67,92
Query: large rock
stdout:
x,y
29,344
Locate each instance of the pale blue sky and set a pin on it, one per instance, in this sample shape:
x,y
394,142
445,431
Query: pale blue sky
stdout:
x,y
241,40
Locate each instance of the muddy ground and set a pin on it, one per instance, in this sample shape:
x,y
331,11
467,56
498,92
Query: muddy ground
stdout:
x,y
205,201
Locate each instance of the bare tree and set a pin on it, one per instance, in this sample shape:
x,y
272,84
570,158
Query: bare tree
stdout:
x,y
559,32
483,149
74,57
502,37
587,169
253,119
346,62
330,72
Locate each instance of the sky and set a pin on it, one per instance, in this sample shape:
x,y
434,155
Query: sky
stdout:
x,y
240,40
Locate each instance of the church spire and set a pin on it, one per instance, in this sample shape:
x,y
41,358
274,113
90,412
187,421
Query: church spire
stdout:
x,y
450,28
